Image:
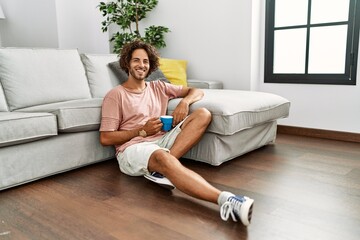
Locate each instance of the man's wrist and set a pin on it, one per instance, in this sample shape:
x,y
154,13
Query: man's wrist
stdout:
x,y
185,101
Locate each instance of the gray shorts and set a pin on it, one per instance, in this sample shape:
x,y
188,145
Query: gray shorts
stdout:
x,y
134,159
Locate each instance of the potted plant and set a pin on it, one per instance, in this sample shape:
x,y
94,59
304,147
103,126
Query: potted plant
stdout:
x,y
127,14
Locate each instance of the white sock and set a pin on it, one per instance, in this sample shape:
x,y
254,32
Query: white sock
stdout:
x,y
223,197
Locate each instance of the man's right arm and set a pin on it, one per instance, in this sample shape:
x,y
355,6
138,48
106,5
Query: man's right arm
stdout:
x,y
151,127
108,138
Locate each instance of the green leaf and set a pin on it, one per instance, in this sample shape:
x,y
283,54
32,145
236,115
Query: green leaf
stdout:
x,y
125,14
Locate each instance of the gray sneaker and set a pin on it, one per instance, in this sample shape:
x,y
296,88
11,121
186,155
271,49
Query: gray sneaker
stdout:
x,y
239,207
160,179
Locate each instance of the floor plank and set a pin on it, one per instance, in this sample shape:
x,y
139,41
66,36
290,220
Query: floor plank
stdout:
x,y
304,188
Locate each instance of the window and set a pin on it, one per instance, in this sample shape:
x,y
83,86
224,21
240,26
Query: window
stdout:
x,y
312,41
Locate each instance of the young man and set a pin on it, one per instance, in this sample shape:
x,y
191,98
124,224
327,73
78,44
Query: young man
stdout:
x,y
130,121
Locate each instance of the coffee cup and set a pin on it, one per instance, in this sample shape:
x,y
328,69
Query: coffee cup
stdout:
x,y
167,122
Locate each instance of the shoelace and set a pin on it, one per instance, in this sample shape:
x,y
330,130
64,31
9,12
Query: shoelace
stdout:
x,y
228,208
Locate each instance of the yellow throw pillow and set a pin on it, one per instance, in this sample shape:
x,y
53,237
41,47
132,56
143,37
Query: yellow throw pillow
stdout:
x,y
174,70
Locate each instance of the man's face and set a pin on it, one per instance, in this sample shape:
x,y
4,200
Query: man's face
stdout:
x,y
139,64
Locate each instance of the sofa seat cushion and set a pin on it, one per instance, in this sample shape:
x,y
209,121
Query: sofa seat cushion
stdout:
x,y
73,116
236,110
32,77
18,127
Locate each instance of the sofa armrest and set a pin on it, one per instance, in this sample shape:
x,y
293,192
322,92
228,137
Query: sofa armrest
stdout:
x,y
204,84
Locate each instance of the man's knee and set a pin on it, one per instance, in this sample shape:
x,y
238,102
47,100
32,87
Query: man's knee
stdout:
x,y
160,161
203,115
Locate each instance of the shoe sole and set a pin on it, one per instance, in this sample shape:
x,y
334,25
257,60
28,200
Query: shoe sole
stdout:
x,y
167,186
246,211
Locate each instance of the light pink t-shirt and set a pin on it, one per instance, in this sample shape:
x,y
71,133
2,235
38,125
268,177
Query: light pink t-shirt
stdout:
x,y
123,109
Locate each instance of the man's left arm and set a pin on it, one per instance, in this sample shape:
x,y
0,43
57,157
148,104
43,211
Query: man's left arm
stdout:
x,y
189,95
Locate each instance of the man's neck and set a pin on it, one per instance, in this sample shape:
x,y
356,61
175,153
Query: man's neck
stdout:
x,y
134,84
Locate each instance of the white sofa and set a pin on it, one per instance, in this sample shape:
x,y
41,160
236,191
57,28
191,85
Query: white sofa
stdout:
x,y
50,106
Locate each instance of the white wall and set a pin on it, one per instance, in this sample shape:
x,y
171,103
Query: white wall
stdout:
x,y
53,23
212,35
79,26
28,23
222,40
329,107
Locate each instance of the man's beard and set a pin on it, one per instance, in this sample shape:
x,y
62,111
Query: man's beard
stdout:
x,y
136,76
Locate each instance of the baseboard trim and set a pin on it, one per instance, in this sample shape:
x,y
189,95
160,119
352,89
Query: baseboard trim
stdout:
x,y
319,133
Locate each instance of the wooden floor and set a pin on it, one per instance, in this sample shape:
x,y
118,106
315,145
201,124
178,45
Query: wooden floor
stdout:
x,y
304,188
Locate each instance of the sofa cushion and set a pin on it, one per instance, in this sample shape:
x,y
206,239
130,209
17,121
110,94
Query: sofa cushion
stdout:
x,y
101,78
204,84
174,70
236,110
73,116
39,76
17,127
157,75
3,105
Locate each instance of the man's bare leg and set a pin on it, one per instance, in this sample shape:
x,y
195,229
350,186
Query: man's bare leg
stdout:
x,y
167,164
191,183
191,132
183,178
